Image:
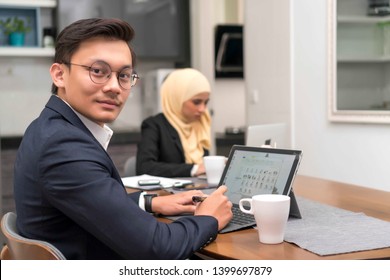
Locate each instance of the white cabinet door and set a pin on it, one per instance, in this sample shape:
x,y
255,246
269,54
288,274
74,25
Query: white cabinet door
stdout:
x,y
359,73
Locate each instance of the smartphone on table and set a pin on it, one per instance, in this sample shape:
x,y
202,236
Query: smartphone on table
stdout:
x,y
149,182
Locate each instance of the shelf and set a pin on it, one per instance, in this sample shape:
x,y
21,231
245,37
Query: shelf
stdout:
x,y
362,19
379,59
26,52
29,3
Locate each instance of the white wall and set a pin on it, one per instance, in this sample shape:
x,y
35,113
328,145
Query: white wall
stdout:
x,y
24,91
229,104
353,153
268,62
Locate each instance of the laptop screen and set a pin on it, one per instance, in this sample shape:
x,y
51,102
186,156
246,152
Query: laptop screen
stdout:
x,y
255,170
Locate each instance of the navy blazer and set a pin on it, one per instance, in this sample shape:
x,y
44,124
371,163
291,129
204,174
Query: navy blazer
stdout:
x,y
69,193
160,151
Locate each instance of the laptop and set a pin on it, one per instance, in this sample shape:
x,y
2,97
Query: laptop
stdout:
x,y
273,135
258,170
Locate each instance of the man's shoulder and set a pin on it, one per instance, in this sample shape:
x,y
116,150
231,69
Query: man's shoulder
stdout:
x,y
50,127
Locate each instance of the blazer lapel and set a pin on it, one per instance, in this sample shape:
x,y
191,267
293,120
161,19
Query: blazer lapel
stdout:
x,y
55,103
173,134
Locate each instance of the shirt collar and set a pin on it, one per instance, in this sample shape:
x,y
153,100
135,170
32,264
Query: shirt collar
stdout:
x,y
102,134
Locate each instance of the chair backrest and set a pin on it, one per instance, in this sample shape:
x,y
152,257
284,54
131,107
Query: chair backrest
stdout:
x,y
21,248
5,254
129,168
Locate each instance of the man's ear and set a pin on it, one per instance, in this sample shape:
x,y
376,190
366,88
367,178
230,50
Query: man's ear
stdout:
x,y
57,74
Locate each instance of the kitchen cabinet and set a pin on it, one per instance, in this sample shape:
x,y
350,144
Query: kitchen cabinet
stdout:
x,y
44,17
359,63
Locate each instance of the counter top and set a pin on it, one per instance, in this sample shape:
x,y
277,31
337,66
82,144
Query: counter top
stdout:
x,y
122,137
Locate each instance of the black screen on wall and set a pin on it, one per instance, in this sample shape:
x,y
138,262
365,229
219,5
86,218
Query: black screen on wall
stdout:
x,y
229,52
162,27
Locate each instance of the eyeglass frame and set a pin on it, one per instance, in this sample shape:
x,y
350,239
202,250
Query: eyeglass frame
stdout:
x,y
134,76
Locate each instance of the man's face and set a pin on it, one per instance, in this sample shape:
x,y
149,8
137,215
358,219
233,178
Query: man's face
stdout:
x,y
193,108
101,103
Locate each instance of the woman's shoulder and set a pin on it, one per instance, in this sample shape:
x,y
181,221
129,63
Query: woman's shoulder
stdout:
x,y
159,122
155,119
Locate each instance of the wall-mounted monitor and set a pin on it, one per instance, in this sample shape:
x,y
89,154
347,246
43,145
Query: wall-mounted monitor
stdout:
x,y
229,52
162,27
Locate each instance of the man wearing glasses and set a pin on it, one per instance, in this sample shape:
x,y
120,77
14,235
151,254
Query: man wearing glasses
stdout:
x,y
67,189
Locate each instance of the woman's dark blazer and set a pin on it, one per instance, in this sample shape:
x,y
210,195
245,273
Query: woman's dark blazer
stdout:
x,y
160,152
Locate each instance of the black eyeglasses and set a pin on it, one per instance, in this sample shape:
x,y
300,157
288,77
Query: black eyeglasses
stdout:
x,y
100,72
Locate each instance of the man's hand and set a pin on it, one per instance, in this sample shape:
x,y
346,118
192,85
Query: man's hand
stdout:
x,y
218,206
175,204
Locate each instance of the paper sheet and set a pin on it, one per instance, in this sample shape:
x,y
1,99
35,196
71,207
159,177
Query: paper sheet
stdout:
x,y
132,182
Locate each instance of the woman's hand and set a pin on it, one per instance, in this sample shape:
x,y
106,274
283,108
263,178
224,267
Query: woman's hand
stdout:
x,y
201,170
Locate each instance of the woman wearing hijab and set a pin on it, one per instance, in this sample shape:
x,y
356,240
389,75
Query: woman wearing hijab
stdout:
x,y
174,142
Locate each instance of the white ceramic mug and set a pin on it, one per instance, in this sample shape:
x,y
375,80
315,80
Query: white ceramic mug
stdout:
x,y
214,166
271,213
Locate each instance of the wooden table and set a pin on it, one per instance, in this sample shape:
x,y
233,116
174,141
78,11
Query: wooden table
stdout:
x,y
244,244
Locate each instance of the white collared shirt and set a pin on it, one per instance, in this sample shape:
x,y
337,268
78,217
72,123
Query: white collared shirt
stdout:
x,y
102,134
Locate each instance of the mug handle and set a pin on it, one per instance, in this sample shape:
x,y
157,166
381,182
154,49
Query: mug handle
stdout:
x,y
250,211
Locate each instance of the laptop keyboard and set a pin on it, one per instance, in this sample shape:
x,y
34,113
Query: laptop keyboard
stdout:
x,y
241,218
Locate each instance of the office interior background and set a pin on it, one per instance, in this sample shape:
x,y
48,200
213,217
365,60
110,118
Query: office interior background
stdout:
x,y
287,78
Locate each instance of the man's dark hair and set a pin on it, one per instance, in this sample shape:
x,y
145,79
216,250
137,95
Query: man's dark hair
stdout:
x,y
70,38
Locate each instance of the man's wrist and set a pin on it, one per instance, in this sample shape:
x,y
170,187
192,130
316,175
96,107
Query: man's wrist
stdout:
x,y
148,202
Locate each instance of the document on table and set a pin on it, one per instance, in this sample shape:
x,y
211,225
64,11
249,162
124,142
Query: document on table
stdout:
x,y
133,182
